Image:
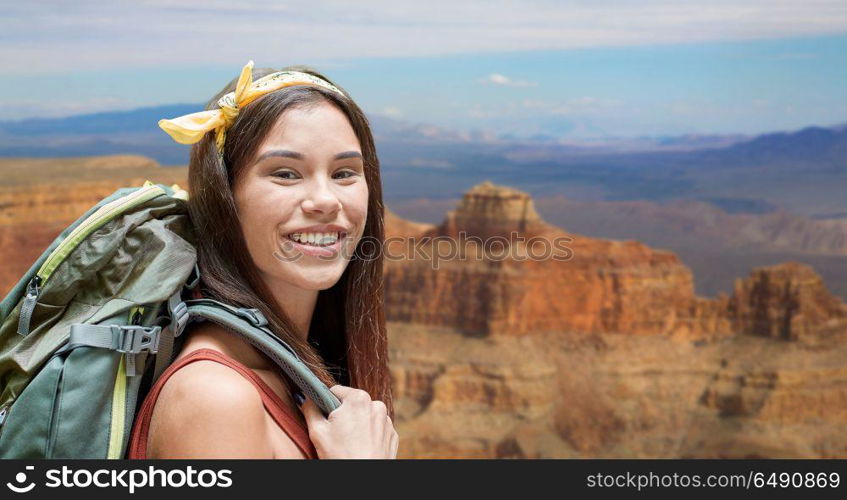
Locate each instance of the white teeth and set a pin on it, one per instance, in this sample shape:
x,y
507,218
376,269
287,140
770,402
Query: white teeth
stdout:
x,y
315,238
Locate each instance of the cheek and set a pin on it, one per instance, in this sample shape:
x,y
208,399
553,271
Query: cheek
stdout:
x,y
356,203
260,211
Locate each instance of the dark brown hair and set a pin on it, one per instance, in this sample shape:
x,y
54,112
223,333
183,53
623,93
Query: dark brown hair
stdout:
x,y
347,341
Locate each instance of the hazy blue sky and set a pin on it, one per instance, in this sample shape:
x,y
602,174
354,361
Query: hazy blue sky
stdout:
x,y
573,69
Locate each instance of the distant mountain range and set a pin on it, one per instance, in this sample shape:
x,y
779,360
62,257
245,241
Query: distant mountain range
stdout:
x,y
143,121
802,172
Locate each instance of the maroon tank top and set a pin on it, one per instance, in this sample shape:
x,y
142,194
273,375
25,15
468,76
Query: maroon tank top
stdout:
x,y
278,410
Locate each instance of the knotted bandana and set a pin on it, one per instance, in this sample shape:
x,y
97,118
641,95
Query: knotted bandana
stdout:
x,y
189,129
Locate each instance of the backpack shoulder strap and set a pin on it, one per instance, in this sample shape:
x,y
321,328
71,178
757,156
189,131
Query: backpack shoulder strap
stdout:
x,y
252,326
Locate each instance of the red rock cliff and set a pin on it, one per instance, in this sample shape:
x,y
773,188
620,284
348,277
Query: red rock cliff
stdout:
x,y
515,274
494,267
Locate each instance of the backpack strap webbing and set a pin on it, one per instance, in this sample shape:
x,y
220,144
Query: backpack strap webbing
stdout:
x,y
251,325
178,313
128,339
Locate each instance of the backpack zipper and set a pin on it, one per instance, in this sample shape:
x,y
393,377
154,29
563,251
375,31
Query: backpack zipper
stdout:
x,y
123,401
4,412
104,214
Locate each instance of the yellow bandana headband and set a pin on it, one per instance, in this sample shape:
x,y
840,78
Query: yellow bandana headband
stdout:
x,y
189,129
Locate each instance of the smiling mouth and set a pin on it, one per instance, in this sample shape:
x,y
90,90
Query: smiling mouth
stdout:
x,y
317,239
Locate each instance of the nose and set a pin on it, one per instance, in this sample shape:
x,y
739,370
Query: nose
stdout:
x,y
321,200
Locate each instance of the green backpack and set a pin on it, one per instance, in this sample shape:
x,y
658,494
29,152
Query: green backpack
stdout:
x,y
92,325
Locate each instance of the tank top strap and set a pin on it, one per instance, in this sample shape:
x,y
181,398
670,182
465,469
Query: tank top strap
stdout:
x,y
275,406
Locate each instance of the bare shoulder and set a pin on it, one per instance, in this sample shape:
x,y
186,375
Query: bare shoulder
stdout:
x,y
208,410
210,335
207,334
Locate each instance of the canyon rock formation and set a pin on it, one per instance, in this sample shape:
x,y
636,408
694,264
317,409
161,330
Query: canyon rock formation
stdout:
x,y
493,267
607,352
511,337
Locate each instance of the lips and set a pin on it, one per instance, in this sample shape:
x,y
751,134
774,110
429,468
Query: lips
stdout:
x,y
319,228
326,250
316,238
319,240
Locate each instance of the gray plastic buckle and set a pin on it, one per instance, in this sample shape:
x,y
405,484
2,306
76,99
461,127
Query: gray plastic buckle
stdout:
x,y
254,316
133,339
179,318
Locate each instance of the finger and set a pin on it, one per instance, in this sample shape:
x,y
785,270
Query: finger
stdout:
x,y
342,391
379,407
394,444
351,394
312,413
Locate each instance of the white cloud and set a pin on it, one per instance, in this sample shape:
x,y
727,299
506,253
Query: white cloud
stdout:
x,y
392,111
505,81
58,36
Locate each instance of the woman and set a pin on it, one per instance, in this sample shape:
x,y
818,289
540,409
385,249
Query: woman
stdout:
x,y
284,190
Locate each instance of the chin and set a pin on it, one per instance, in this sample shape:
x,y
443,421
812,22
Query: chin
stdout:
x,y
318,282
319,286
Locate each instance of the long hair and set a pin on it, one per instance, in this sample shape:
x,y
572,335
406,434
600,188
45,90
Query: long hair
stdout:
x,y
347,342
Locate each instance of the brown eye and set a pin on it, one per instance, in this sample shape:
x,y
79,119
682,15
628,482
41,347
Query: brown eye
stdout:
x,y
349,174
285,175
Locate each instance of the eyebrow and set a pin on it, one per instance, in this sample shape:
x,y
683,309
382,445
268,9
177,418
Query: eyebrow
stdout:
x,y
284,153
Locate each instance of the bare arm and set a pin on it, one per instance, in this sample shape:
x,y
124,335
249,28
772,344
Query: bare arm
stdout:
x,y
206,410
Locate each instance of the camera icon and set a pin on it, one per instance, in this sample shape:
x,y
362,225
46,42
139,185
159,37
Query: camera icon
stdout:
x,y
20,479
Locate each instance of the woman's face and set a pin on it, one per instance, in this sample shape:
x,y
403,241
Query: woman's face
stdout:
x,y
303,200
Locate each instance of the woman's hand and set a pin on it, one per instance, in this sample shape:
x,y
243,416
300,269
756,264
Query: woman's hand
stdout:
x,y
359,428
